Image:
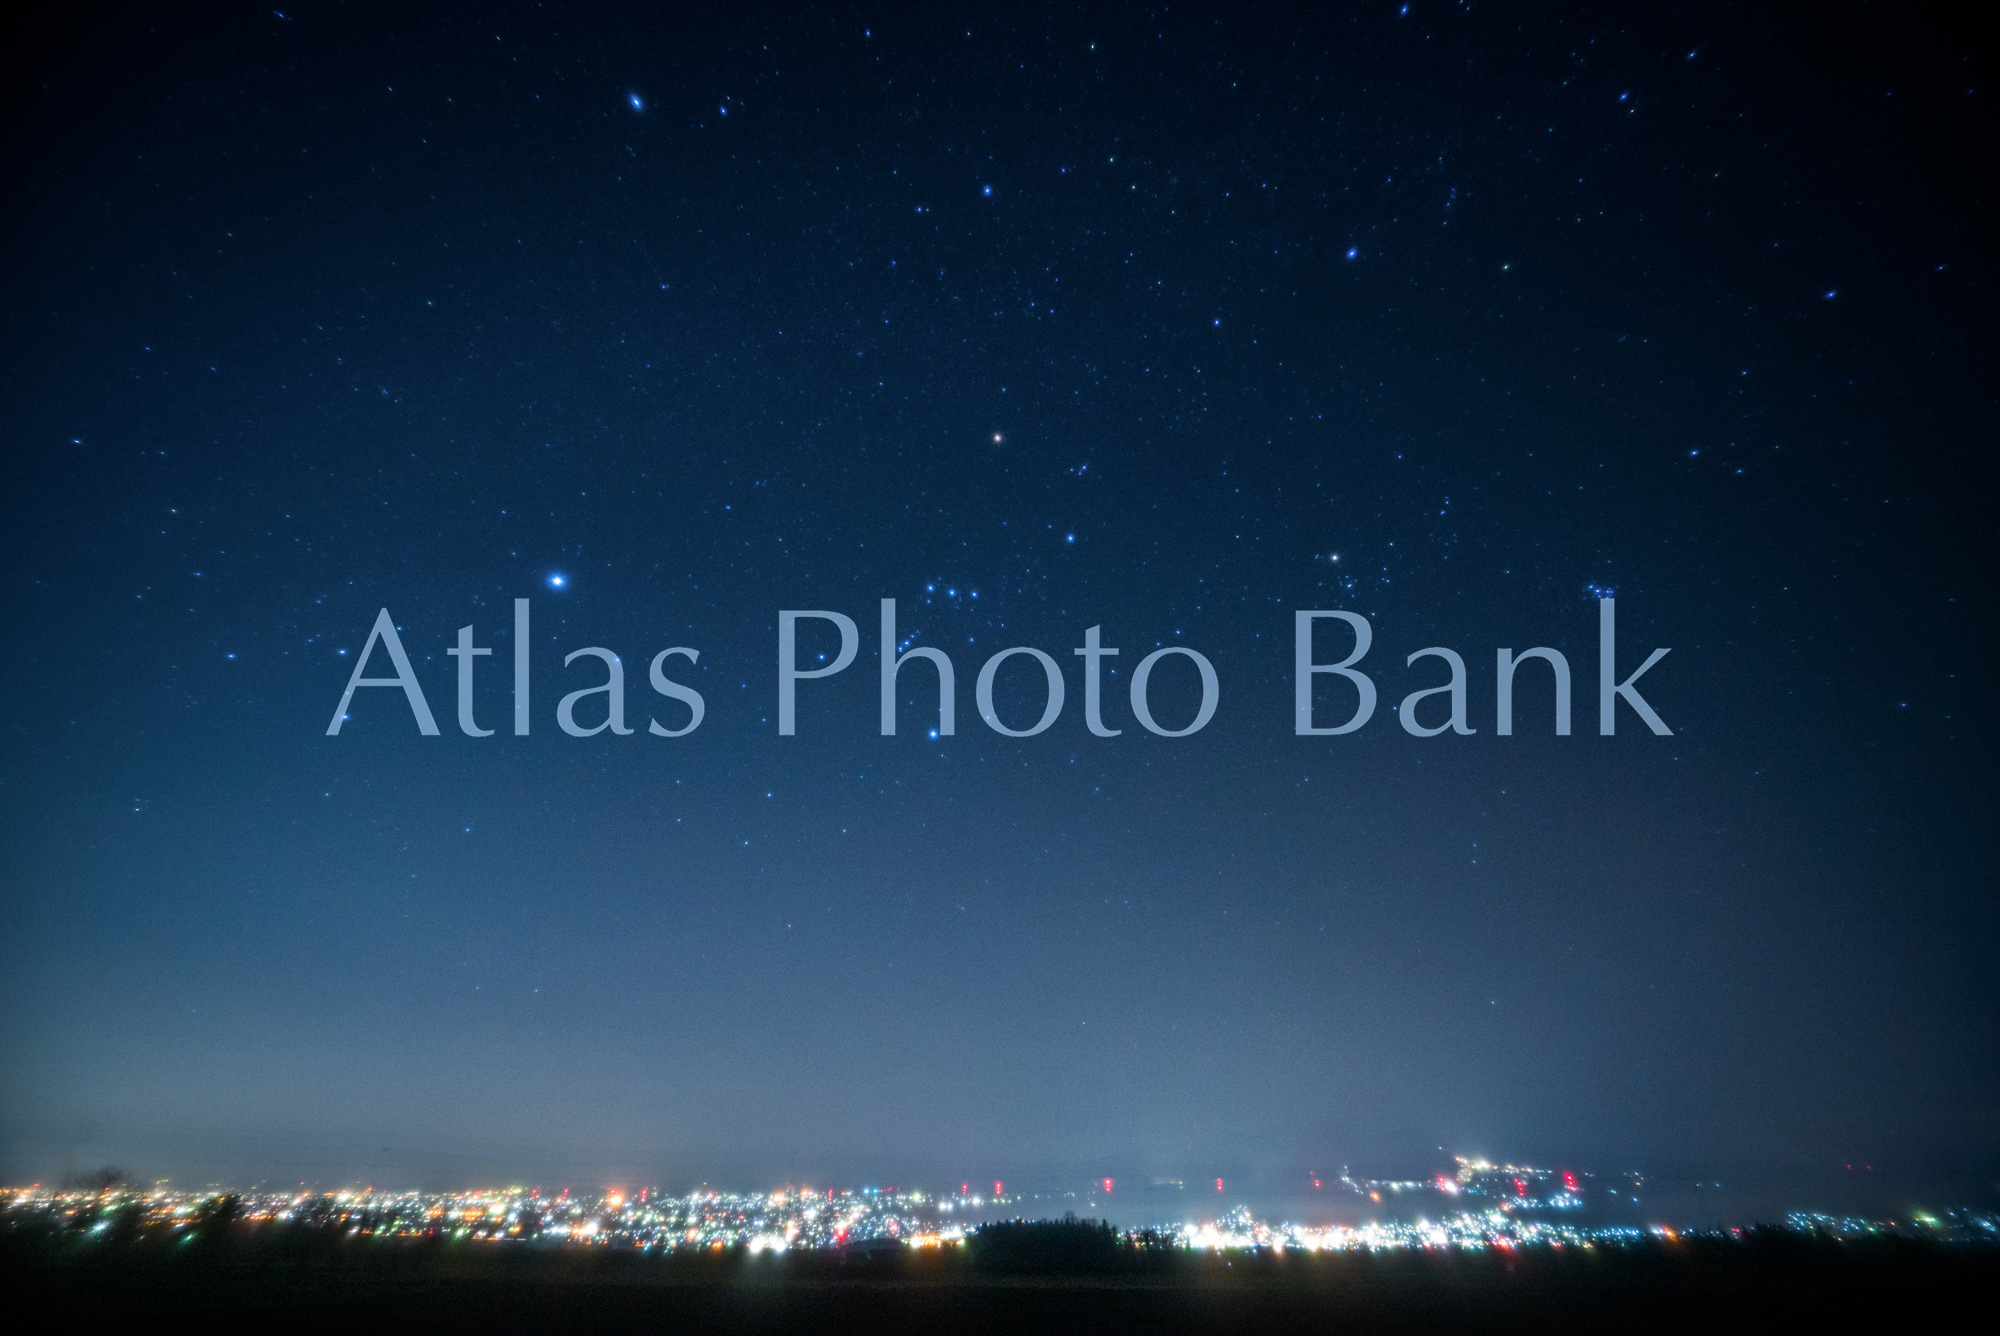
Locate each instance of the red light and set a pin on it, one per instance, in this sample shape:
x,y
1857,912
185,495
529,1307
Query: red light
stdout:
x,y
964,1189
1569,1181
1218,1185
998,1188
1107,1185
1315,1182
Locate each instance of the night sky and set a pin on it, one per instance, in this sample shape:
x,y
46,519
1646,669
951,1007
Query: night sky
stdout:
x,y
1172,322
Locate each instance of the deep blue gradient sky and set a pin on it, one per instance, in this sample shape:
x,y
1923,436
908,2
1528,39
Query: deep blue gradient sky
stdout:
x,y
345,307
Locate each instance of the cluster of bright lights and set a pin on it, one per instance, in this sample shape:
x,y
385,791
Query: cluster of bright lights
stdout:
x,y
764,1222
1470,1231
796,1218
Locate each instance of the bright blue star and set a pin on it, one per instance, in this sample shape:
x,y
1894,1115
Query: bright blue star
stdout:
x,y
986,190
637,103
558,581
1353,252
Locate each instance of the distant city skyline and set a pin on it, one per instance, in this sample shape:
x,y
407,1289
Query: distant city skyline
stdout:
x,y
1479,1206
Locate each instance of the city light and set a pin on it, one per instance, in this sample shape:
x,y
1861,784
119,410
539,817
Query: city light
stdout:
x,y
1485,1207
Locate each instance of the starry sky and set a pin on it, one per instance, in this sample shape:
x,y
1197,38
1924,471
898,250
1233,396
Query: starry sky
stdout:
x,y
1165,320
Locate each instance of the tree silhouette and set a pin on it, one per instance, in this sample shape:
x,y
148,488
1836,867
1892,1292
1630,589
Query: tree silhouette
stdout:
x,y
100,1180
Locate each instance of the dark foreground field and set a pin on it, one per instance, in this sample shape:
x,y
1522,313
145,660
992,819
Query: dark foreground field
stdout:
x,y
297,1281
